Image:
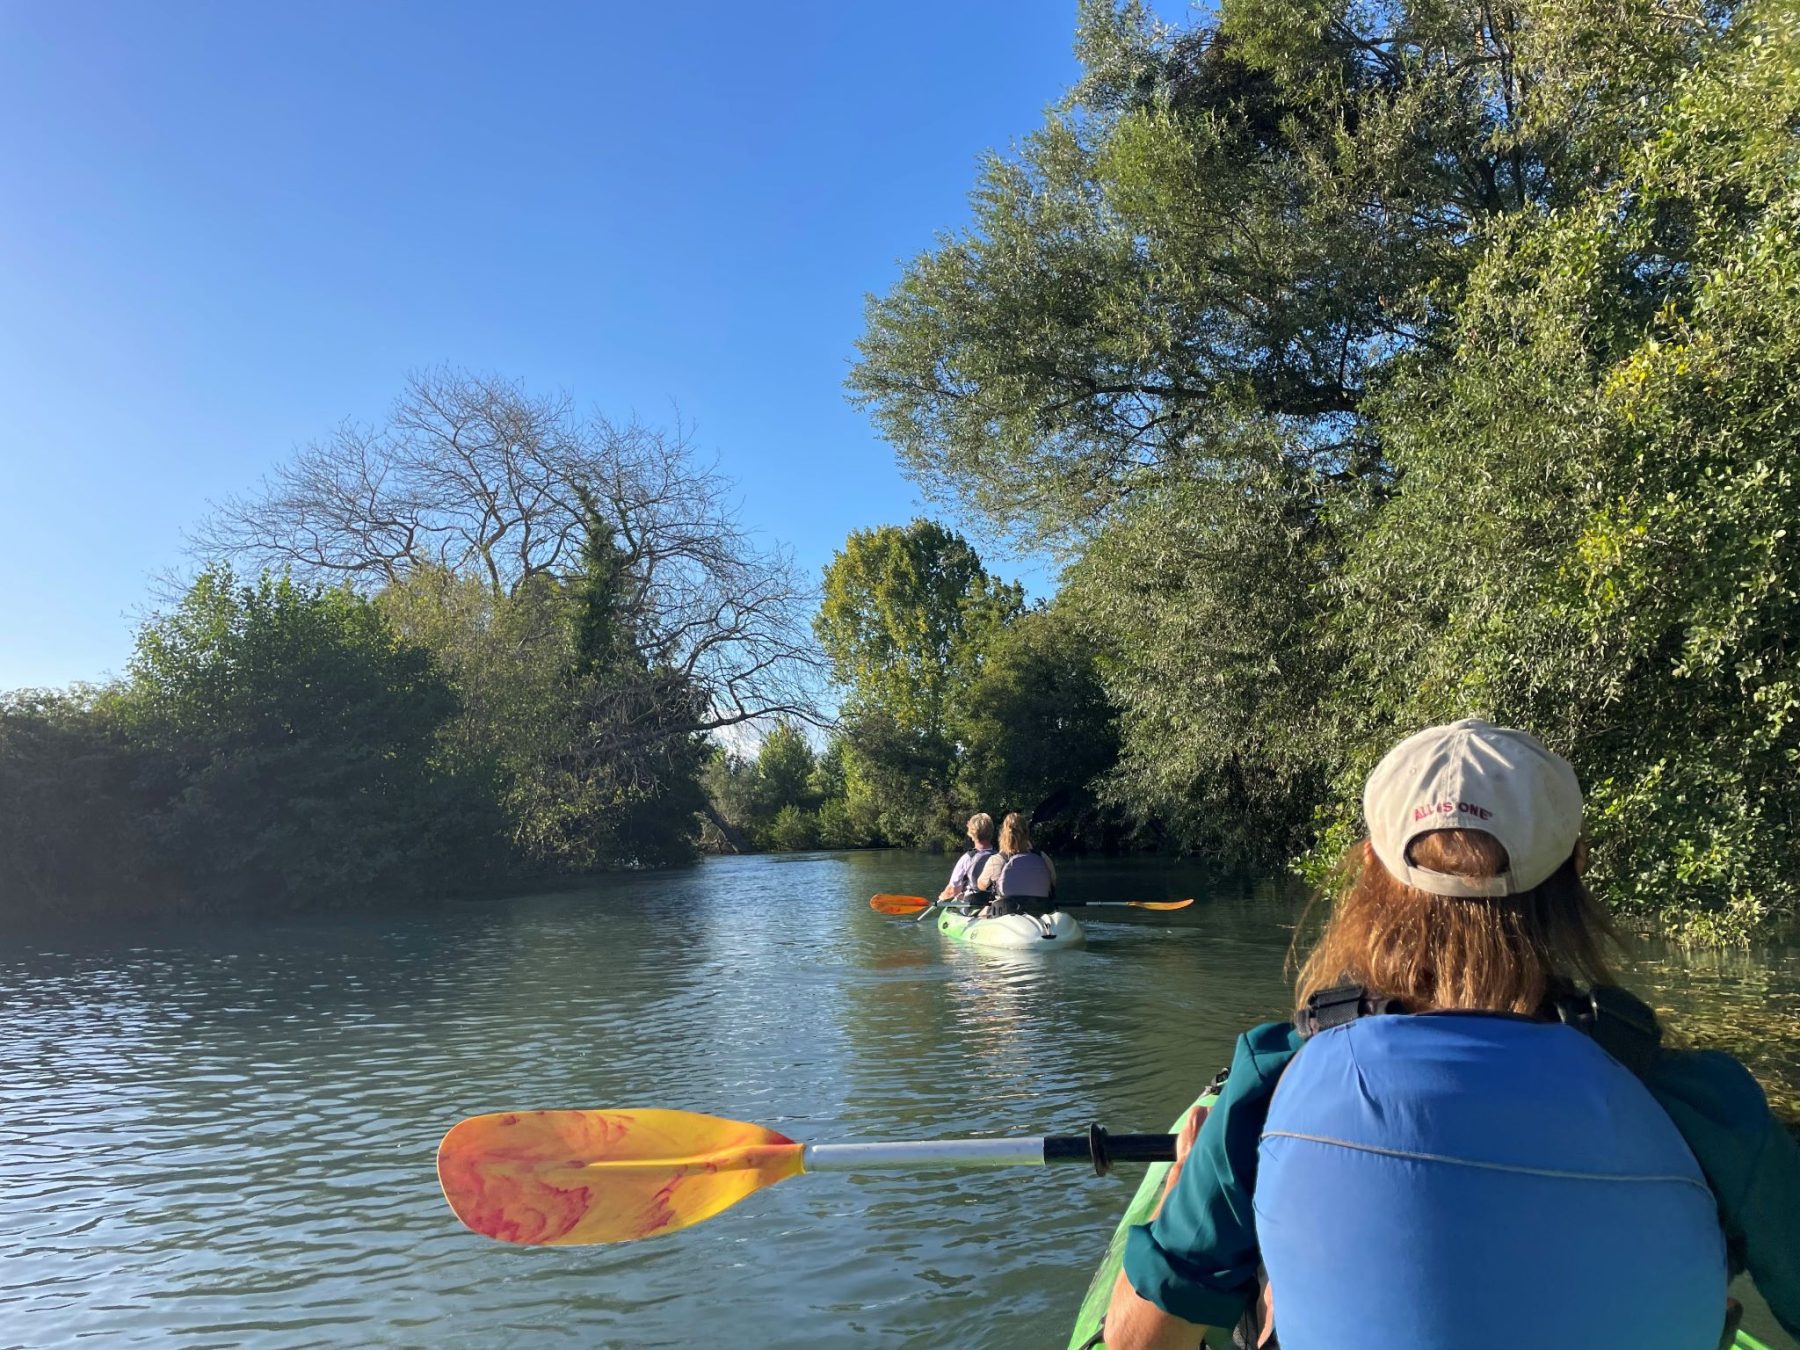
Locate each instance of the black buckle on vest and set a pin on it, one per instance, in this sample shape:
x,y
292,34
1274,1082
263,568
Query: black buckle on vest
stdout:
x,y
1333,1007
1619,1022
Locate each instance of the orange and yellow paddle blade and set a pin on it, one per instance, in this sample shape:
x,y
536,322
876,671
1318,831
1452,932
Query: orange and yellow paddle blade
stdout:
x,y
562,1178
1160,904
897,904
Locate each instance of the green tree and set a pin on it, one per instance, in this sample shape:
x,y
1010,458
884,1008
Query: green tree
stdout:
x,y
1037,731
1252,216
1203,602
1161,344
772,799
1592,531
784,770
620,782
297,735
904,616
905,621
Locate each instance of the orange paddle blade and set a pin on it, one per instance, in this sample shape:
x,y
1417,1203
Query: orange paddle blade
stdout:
x,y
561,1178
897,904
1160,904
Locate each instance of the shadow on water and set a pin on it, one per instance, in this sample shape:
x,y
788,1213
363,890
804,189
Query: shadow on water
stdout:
x,y
222,1133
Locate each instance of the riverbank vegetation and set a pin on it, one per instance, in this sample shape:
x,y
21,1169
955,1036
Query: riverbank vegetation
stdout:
x,y
1375,365
483,643
1362,366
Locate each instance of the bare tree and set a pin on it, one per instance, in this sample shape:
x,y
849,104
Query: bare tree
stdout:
x,y
475,476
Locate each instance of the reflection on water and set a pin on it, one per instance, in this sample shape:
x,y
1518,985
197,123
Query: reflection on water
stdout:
x,y
223,1135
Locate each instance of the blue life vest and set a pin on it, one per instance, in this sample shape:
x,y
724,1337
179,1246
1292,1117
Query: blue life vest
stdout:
x,y
1460,1181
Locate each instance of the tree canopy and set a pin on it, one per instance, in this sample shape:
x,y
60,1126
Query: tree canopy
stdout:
x,y
1376,365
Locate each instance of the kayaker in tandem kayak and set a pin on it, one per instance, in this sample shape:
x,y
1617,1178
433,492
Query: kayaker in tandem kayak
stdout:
x,y
1021,879
964,876
1469,1139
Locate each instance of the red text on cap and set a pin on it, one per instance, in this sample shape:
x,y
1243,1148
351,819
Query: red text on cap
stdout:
x,y
1450,808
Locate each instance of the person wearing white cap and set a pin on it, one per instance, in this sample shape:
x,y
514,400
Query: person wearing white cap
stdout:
x,y
1468,1138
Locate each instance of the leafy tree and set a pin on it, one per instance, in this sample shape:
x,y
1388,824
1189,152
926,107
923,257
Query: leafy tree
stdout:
x,y
905,621
1203,605
841,824
1037,730
1160,344
1251,217
619,779
1592,528
297,735
784,771
772,799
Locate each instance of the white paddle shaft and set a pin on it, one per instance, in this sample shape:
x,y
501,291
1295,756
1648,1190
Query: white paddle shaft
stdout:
x,y
925,1153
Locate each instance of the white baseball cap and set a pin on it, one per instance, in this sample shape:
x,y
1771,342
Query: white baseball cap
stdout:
x,y
1472,775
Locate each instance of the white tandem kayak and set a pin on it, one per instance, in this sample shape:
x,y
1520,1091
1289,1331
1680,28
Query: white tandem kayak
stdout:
x,y
1012,932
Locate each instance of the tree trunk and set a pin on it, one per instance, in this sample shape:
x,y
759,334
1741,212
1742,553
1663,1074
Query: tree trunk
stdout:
x,y
727,831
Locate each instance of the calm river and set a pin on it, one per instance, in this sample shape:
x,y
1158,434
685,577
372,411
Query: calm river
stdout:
x,y
223,1135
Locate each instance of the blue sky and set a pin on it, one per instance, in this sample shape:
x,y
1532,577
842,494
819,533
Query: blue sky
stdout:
x,y
227,227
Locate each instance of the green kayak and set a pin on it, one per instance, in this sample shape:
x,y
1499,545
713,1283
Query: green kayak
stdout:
x,y
1086,1335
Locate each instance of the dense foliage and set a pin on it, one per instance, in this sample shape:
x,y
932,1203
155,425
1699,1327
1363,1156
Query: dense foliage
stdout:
x,y
1373,365
272,744
957,697
1365,365
499,647
1607,465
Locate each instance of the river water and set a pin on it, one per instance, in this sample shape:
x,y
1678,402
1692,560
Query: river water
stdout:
x,y
222,1134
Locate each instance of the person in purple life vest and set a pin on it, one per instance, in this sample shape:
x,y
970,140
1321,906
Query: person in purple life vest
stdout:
x,y
1469,1138
968,867
1020,878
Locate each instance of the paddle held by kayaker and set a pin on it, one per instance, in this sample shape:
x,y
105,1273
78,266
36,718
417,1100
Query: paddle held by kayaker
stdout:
x,y
980,830
1468,1138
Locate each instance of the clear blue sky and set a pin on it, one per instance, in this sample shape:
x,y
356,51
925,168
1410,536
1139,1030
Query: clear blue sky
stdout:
x,y
225,227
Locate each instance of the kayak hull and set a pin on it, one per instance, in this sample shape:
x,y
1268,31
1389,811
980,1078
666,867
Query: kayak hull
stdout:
x,y
1086,1335
1013,932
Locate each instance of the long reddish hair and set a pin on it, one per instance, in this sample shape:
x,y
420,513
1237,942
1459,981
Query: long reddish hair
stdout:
x,y
1500,954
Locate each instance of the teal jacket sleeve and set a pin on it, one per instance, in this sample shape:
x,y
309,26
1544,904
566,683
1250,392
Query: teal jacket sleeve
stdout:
x,y
1198,1258
1751,1162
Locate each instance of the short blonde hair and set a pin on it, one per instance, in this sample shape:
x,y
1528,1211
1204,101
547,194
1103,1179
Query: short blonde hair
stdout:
x,y
1015,834
981,825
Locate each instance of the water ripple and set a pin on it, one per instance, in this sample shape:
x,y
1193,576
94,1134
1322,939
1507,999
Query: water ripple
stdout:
x,y
223,1135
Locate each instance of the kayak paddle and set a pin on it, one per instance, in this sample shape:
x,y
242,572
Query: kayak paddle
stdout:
x,y
566,1178
904,905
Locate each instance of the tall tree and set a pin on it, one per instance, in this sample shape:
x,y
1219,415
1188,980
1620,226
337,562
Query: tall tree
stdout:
x,y
474,477
1161,343
1255,215
906,619
904,616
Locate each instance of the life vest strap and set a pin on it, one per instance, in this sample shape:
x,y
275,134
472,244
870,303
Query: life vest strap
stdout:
x,y
1618,1021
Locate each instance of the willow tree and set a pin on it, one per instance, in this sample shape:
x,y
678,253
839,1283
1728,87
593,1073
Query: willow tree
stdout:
x,y
1594,529
1157,344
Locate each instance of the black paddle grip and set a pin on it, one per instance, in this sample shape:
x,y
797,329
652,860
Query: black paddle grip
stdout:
x,y
1103,1149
